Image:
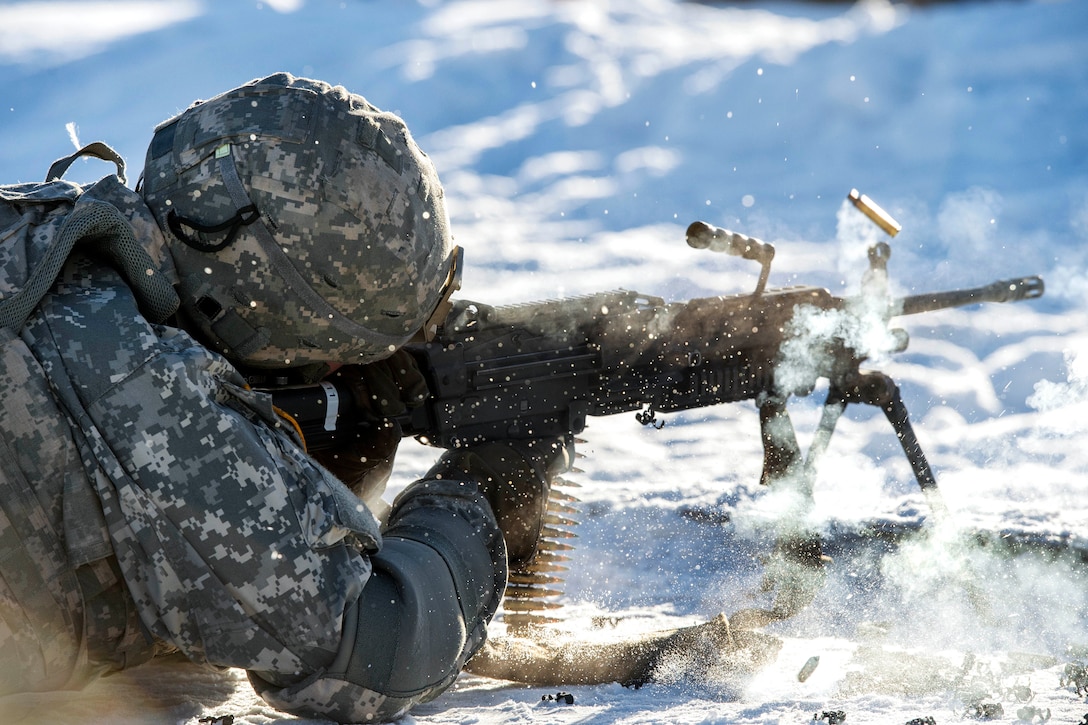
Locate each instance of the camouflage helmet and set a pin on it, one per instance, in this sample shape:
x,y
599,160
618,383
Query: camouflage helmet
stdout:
x,y
305,224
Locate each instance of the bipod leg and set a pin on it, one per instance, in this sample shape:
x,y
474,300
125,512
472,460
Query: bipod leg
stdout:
x,y
834,407
781,453
877,389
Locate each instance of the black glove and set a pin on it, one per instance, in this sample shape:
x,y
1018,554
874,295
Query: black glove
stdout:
x,y
380,390
515,477
388,387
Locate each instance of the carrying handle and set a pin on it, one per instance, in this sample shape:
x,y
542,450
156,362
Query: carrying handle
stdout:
x,y
98,150
701,235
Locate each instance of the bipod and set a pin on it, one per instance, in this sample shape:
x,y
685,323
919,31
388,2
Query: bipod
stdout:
x,y
782,455
783,462
785,468
879,390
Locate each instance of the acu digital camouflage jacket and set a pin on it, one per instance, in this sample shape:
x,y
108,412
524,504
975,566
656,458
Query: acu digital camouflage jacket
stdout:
x,y
128,452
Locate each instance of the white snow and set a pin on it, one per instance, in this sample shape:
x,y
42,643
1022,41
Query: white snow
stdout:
x,y
576,140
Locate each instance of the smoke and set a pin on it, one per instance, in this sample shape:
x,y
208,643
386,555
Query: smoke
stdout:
x,y
1049,396
854,234
1003,588
819,341
784,509
945,586
984,592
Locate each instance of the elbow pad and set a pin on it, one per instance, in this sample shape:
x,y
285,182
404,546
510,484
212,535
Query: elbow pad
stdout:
x,y
436,582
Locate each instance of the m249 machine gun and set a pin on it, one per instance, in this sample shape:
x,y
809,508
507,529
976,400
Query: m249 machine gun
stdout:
x,y
540,369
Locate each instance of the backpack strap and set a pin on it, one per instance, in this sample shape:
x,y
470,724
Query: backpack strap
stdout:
x,y
98,150
98,226
96,223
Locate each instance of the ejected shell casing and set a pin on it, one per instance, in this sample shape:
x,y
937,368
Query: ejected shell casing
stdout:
x,y
808,669
527,578
531,591
871,209
529,605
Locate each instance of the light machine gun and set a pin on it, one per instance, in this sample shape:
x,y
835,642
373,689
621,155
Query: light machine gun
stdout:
x,y
539,370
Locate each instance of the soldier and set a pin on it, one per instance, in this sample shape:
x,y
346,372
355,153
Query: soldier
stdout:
x,y
151,501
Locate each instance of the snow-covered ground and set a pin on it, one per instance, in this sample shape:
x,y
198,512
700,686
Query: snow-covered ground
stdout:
x,y
577,139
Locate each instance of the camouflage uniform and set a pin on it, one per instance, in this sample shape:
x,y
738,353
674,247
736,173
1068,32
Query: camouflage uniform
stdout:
x,y
150,501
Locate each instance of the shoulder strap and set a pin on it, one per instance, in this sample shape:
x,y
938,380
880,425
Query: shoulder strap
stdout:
x,y
99,219
98,150
103,226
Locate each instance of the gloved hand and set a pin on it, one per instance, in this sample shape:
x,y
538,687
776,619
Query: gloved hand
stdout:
x,y
388,387
515,477
381,390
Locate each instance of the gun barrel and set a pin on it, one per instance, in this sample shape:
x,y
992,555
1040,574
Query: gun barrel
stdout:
x,y
1006,290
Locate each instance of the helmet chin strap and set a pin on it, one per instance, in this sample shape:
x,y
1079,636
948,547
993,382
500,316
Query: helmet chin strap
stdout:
x,y
281,264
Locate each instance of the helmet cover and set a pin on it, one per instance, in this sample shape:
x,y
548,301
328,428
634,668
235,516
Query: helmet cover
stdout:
x,y
305,224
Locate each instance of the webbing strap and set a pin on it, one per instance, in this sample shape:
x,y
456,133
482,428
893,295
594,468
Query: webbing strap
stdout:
x,y
97,221
88,220
96,149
